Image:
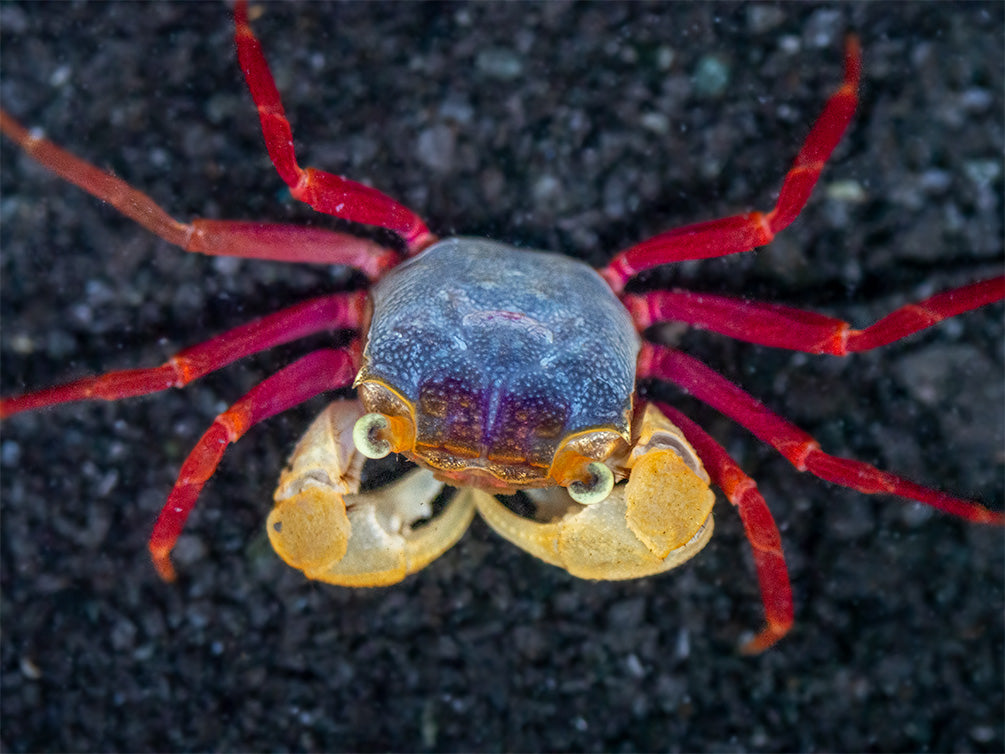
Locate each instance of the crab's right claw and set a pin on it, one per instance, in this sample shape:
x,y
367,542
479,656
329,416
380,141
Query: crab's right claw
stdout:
x,y
658,519
324,527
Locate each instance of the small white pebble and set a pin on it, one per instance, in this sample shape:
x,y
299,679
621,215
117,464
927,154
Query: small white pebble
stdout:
x,y
846,191
635,669
29,669
790,44
683,648
60,76
982,172
664,58
10,453
976,100
499,63
22,344
658,123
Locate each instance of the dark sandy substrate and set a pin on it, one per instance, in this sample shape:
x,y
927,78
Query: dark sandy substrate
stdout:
x,y
580,128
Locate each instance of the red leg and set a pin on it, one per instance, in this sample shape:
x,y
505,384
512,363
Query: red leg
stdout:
x,y
730,235
784,327
334,312
313,374
800,448
325,192
762,533
252,240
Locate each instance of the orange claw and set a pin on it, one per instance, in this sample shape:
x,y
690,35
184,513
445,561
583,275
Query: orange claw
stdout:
x,y
325,527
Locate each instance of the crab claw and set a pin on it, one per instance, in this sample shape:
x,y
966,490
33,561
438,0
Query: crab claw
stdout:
x,y
322,525
658,519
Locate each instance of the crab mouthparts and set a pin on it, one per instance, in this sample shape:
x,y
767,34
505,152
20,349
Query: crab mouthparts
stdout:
x,y
481,478
463,467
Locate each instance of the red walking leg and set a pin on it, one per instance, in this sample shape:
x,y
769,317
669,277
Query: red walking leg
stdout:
x,y
759,525
323,191
785,327
797,446
251,240
310,376
335,312
729,235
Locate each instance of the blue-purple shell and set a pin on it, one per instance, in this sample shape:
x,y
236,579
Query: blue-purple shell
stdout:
x,y
502,352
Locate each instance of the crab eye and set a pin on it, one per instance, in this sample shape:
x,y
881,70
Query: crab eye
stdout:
x,y
369,435
597,488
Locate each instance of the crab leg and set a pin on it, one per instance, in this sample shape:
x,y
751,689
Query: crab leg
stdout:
x,y
785,327
313,374
229,238
758,523
323,191
797,446
335,312
729,235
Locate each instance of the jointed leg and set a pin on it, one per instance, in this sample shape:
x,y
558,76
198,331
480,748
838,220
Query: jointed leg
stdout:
x,y
251,240
313,374
762,533
785,327
325,192
730,235
335,312
797,446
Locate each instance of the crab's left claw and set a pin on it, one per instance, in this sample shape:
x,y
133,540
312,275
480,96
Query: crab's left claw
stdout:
x,y
659,518
322,525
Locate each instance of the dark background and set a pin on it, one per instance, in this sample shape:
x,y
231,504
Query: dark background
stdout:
x,y
580,128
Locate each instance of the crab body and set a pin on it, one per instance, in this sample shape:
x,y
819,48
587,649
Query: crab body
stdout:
x,y
498,356
497,370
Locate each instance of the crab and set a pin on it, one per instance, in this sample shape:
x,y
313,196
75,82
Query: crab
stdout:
x,y
499,370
